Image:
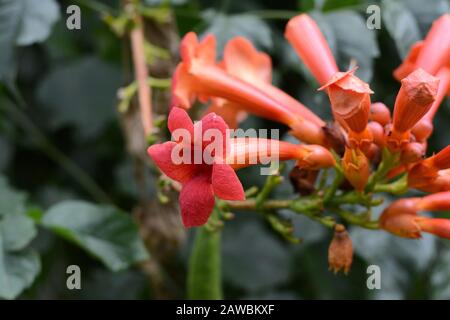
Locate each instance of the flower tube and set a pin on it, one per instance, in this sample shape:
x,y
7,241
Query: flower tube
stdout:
x,y
401,217
350,102
308,41
199,76
415,98
431,54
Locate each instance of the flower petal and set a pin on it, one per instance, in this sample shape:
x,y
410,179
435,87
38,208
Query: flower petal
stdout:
x,y
229,111
196,201
162,156
179,119
243,61
209,128
226,184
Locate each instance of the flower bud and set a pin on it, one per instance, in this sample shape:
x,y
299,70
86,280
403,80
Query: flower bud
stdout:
x,y
350,99
303,180
400,218
340,252
335,137
380,113
356,168
413,152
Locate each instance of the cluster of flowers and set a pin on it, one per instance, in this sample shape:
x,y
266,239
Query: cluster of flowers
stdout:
x,y
360,133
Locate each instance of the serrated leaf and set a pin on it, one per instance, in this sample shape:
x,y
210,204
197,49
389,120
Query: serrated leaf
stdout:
x,y
401,25
354,41
37,20
17,271
226,27
104,231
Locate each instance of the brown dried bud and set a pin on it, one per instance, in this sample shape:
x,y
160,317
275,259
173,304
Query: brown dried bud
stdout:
x,y
335,137
303,180
340,252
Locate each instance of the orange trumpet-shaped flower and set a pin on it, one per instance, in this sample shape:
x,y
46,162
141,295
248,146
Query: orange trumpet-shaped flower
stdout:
x,y
416,95
248,151
401,217
308,41
431,54
340,252
350,99
350,102
356,168
242,60
431,174
435,52
199,76
409,63
423,129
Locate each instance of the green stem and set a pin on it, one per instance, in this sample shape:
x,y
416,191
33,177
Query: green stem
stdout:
x,y
78,174
360,220
331,191
397,187
390,160
204,275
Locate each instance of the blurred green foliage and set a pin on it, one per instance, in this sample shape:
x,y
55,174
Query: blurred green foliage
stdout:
x,y
65,82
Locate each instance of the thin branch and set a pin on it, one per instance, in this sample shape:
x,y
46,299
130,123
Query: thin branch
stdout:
x,y
141,73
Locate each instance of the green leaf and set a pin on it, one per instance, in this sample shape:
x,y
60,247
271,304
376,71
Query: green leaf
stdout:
x,y
401,25
37,20
17,230
17,271
16,227
11,201
105,232
86,101
354,41
10,14
226,27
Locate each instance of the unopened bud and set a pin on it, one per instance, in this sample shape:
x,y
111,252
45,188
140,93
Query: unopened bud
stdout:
x,y
340,252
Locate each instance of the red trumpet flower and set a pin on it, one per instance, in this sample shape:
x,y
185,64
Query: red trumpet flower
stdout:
x,y
401,217
423,129
200,180
431,54
415,98
248,151
198,75
350,102
308,41
203,159
431,174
